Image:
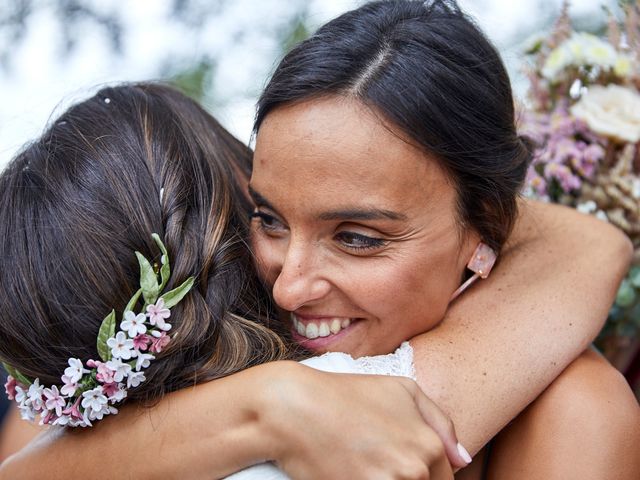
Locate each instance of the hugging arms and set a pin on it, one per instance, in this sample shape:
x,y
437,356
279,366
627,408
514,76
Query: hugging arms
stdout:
x,y
332,141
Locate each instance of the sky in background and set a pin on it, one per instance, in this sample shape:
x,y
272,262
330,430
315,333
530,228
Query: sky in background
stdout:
x,y
41,82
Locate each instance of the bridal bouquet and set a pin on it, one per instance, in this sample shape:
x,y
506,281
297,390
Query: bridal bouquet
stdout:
x,y
584,116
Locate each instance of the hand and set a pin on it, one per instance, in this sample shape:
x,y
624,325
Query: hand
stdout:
x,y
326,425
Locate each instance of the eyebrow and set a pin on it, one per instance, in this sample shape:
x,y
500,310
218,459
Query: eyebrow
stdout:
x,y
342,215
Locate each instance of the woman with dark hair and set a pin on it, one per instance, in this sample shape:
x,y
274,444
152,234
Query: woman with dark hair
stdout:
x,y
386,152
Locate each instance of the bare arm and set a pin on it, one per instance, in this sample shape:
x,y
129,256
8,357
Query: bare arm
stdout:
x,y
500,345
504,341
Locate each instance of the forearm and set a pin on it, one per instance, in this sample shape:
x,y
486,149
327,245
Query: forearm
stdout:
x,y
504,341
206,432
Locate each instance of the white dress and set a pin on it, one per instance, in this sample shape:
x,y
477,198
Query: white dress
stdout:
x,y
399,363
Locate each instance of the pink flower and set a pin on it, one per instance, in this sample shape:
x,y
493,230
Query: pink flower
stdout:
x,y
10,387
159,343
48,418
110,389
141,342
105,374
158,314
69,387
54,400
73,410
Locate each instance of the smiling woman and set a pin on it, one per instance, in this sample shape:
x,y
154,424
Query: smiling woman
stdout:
x,y
356,224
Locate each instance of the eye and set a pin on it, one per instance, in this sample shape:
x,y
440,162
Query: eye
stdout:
x,y
267,222
358,242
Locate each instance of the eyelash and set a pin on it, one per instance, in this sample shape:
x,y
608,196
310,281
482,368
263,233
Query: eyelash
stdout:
x,y
369,243
345,237
262,217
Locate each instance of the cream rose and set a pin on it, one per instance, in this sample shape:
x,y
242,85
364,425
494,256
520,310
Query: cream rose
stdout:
x,y
612,111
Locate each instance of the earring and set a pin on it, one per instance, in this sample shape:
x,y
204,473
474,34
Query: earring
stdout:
x,y
481,263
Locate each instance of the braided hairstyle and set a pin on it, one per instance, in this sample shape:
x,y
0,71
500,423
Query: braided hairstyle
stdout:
x,y
75,205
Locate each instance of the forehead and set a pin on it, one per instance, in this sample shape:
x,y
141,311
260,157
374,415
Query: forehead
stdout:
x,y
336,147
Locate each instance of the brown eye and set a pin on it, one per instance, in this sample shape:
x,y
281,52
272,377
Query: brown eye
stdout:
x,y
357,241
268,222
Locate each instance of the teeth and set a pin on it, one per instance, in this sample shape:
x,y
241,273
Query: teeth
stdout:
x,y
323,330
299,327
335,326
312,330
320,329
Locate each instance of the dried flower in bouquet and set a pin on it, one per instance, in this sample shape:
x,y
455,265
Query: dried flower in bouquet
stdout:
x,y
585,120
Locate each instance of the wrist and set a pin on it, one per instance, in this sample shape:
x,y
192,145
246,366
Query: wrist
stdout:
x,y
276,404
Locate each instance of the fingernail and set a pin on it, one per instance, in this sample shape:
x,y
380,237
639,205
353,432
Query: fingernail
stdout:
x,y
464,454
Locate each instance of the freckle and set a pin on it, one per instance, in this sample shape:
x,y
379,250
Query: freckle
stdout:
x,y
450,358
484,373
570,324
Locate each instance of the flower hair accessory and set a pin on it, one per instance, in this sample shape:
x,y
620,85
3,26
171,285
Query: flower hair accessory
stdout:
x,y
90,390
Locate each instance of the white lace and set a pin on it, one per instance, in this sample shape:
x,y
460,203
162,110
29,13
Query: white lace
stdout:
x,y
398,363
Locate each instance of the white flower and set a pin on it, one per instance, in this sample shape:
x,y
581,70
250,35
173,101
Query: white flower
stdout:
x,y
62,420
94,399
587,207
623,66
100,413
21,395
75,370
121,346
120,369
612,111
556,62
135,378
27,413
635,189
580,49
143,360
134,324
34,395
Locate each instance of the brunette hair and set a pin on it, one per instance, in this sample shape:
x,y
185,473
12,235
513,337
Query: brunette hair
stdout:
x,y
76,204
428,70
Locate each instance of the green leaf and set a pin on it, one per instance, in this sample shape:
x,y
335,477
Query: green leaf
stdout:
x,y
634,276
107,330
626,294
165,270
148,280
132,303
20,378
174,296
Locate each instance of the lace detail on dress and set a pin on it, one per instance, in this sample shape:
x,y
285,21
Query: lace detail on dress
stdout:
x,y
398,363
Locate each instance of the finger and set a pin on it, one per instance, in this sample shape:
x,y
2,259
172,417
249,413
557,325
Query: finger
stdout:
x,y
443,426
441,470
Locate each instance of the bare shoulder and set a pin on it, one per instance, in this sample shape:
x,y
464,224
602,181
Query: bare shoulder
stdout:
x,y
585,425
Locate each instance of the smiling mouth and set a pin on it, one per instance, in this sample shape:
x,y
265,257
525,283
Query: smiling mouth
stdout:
x,y
324,327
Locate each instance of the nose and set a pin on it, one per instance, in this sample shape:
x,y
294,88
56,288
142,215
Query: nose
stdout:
x,y
300,280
